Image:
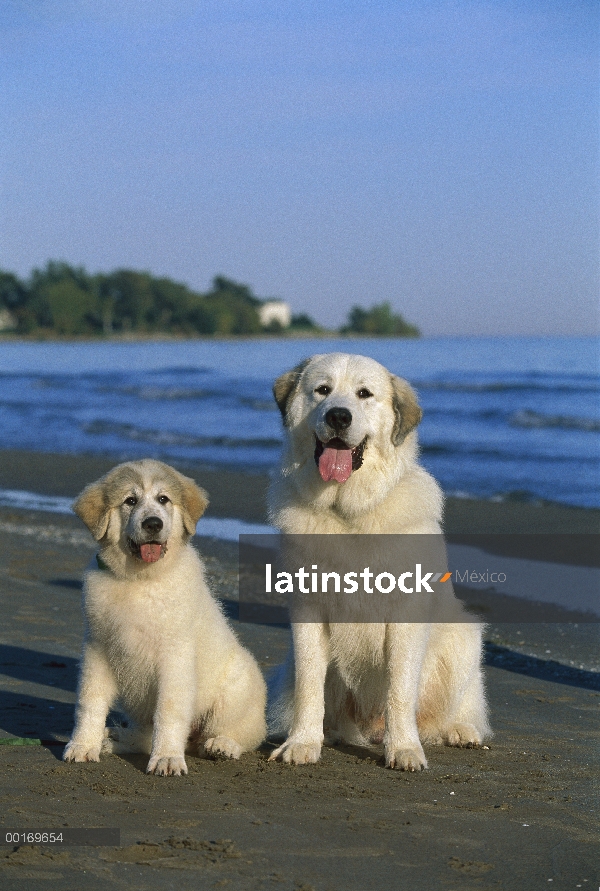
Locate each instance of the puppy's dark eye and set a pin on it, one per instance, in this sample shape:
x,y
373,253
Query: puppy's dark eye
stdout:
x,y
323,390
163,499
363,393
131,501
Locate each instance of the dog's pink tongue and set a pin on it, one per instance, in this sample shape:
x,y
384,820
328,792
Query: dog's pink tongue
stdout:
x,y
150,553
335,464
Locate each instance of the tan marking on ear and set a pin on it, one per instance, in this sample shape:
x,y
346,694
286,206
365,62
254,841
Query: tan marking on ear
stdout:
x,y
92,507
97,500
407,411
284,387
194,502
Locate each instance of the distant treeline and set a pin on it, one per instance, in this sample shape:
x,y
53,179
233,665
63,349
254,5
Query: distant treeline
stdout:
x,y
64,300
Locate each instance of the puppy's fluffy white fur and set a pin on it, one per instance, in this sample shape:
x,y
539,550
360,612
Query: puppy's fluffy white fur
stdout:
x,y
416,682
155,639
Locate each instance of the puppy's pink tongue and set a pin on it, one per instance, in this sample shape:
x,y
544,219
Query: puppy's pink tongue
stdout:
x,y
335,464
150,553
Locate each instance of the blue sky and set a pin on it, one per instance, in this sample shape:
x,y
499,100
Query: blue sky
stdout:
x,y
439,155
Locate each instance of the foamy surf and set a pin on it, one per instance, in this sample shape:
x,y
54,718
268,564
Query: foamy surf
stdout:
x,y
224,528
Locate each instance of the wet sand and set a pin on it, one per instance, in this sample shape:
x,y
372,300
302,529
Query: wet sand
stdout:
x,y
514,815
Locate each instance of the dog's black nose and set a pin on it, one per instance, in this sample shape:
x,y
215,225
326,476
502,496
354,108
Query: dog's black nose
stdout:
x,y
338,418
152,524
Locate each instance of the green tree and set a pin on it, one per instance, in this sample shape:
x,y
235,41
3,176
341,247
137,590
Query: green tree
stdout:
x,y
234,307
132,296
201,317
222,285
67,300
62,298
70,307
379,321
303,322
13,295
13,292
172,302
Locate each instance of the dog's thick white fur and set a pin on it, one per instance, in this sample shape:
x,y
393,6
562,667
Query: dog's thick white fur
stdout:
x,y
155,639
417,682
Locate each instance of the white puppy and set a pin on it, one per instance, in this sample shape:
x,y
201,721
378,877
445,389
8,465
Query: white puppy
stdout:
x,y
350,466
155,640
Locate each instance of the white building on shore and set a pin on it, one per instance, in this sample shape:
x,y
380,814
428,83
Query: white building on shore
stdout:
x,y
7,321
275,311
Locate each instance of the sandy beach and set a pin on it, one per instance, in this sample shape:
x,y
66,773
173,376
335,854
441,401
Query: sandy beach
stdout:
x,y
514,815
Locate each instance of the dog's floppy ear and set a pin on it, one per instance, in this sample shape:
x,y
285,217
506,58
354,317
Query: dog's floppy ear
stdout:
x,y
194,502
407,411
93,508
285,385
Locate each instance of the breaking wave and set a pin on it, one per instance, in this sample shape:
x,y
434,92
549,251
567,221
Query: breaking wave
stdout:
x,y
462,450
171,438
543,384
537,420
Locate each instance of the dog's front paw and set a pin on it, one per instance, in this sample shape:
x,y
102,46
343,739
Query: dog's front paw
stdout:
x,y
295,752
78,752
412,759
222,747
465,735
170,766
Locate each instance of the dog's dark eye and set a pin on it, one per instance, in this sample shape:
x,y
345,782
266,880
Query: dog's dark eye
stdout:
x,y
162,499
323,390
131,501
363,393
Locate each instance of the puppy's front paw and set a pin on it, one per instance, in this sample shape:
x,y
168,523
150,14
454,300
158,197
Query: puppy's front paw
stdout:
x,y
222,747
172,766
465,735
412,759
77,752
294,752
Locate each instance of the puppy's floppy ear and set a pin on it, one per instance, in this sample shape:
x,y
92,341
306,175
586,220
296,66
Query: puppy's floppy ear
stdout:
x,y
284,386
194,502
93,508
407,411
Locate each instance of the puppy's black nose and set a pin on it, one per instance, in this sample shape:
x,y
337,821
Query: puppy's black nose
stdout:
x,y
338,418
152,524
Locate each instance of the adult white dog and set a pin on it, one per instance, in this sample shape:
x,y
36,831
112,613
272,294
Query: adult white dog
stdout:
x,y
350,466
155,639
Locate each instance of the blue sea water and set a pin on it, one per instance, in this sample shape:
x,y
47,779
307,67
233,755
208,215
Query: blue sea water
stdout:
x,y
503,417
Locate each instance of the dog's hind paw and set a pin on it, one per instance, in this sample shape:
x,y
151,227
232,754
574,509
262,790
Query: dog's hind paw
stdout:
x,y
222,747
172,766
405,759
297,753
110,741
108,745
77,752
465,735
